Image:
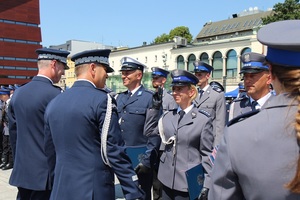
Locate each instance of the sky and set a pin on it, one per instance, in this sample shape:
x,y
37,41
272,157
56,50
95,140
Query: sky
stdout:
x,y
129,23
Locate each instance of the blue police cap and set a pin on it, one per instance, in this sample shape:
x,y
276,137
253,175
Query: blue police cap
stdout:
x,y
53,54
200,66
241,86
156,71
283,41
4,90
99,56
182,77
131,64
253,63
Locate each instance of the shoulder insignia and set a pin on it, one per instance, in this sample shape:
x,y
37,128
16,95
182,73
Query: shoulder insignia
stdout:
x,y
170,92
150,91
242,117
240,99
61,90
207,114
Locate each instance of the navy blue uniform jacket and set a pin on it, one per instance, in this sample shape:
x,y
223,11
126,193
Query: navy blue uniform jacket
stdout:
x,y
26,128
132,113
73,128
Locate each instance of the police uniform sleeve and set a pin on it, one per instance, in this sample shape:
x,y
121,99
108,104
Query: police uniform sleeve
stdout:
x,y
220,115
206,146
225,183
118,158
49,148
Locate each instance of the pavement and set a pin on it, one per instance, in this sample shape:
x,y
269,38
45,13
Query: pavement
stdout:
x,y
8,192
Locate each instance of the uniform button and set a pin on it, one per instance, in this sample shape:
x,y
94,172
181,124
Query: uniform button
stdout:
x,y
124,111
122,130
122,120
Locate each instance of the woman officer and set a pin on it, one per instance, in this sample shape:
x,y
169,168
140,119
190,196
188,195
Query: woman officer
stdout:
x,y
187,139
259,156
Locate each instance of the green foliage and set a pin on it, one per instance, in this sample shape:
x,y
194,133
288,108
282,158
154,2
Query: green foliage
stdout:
x,y
181,31
290,9
161,39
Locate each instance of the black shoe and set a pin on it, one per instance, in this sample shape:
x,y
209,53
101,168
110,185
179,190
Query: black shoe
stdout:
x,y
3,165
8,166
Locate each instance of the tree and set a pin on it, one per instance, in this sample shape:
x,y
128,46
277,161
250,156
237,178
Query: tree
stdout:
x,y
290,9
161,39
181,31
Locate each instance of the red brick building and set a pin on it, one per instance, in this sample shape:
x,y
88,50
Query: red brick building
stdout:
x,y
20,36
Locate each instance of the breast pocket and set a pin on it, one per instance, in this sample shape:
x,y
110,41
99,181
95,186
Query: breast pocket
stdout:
x,y
137,111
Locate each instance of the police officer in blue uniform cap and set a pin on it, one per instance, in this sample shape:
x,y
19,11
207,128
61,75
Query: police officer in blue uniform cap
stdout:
x,y
26,125
211,98
187,139
84,146
53,54
267,135
133,106
159,78
257,82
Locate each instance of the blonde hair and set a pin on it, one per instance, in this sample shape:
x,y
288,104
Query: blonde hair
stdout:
x,y
290,82
196,92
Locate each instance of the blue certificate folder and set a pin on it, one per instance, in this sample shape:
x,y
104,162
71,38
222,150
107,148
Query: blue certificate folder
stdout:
x,y
136,154
195,179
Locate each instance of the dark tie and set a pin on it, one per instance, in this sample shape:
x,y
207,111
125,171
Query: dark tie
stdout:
x,y
128,95
181,113
253,105
200,91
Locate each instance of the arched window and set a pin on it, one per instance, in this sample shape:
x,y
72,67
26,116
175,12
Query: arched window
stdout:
x,y
191,59
204,57
180,62
231,64
218,65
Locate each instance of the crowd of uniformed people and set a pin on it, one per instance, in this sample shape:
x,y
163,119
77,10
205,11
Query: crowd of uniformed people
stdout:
x,y
71,144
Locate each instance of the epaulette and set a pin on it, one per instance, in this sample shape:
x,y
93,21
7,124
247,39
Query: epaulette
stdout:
x,y
242,117
240,99
150,91
170,92
61,90
207,114
102,89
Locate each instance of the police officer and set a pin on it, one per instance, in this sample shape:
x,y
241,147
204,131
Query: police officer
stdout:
x,y
187,135
159,79
262,160
132,108
257,84
211,99
85,144
26,125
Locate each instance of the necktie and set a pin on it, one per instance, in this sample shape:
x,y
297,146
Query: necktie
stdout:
x,y
128,95
253,105
200,91
181,113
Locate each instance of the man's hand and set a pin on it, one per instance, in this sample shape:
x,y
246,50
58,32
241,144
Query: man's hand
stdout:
x,y
141,169
203,194
157,98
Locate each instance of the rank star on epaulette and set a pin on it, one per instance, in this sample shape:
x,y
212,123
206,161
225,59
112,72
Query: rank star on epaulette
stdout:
x,y
140,93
